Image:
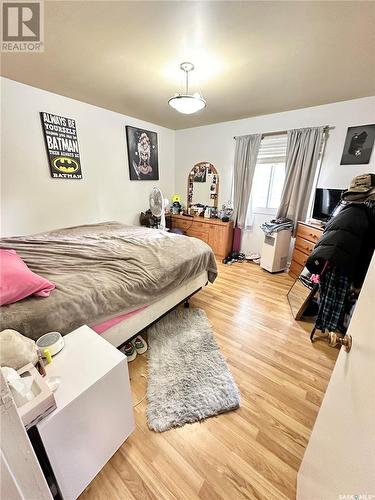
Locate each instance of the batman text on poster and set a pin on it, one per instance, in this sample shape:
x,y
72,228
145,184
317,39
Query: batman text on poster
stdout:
x,y
61,141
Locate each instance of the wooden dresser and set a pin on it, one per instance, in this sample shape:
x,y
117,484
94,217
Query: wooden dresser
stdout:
x,y
306,238
217,234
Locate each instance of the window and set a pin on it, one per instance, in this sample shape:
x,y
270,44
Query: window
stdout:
x,y
269,175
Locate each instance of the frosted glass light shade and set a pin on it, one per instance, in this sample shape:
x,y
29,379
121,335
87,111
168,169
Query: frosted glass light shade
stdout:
x,y
187,103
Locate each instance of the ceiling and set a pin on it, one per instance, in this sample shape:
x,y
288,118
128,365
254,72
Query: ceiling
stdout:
x,y
251,58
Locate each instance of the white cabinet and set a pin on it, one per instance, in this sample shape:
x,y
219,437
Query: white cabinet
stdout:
x,y
94,413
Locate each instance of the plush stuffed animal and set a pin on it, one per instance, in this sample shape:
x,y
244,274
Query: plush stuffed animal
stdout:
x,y
16,350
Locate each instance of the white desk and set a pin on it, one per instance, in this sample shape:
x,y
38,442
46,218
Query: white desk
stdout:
x,y
94,413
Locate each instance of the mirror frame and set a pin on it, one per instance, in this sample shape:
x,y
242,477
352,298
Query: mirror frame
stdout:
x,y
190,187
304,301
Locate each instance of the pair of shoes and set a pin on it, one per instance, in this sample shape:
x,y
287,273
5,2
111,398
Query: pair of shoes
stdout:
x,y
134,347
234,257
253,256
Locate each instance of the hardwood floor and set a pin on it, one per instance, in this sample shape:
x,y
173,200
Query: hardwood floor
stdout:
x,y
255,451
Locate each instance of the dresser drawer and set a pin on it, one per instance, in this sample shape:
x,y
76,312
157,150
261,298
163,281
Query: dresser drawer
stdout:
x,y
304,246
182,224
196,233
309,233
295,269
201,225
299,257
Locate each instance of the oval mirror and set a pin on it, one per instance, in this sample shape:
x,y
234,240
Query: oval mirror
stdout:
x,y
203,185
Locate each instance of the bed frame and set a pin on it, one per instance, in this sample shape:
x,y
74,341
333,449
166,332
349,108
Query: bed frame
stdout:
x,y
120,333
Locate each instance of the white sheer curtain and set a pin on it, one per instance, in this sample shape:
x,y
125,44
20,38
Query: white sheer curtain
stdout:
x,y
272,153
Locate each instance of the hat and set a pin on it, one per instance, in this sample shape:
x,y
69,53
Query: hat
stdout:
x,y
361,187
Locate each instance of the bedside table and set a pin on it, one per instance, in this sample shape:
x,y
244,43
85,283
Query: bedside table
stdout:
x,y
94,413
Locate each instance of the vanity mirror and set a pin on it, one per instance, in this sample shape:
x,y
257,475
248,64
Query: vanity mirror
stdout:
x,y
203,185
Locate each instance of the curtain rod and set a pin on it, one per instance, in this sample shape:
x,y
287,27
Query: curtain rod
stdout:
x,y
281,132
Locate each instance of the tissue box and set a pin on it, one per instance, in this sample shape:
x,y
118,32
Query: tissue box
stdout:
x,y
42,404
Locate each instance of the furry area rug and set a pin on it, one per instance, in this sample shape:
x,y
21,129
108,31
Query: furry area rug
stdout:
x,y
188,378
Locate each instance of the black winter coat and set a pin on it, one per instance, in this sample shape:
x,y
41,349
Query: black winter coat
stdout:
x,y
348,242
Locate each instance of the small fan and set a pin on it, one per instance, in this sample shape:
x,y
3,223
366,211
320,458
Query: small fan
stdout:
x,y
158,205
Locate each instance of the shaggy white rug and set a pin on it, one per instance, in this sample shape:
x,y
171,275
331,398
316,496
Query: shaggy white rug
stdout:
x,y
188,378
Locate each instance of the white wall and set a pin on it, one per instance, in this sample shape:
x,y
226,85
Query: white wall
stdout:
x,y
32,201
215,144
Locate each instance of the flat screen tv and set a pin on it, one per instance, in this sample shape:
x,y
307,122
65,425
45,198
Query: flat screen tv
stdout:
x,y
326,200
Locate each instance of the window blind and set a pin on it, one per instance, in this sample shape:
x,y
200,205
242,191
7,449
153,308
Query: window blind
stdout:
x,y
272,149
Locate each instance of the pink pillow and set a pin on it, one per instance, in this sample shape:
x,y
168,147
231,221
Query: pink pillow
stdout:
x,y
17,281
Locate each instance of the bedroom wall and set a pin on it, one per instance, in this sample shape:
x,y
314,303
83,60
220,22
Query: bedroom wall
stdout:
x,y
214,143
31,201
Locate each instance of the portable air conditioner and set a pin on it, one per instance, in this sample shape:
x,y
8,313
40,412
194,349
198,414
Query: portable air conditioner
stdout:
x,y
275,251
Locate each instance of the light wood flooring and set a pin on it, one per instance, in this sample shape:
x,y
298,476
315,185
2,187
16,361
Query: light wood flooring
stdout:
x,y
255,451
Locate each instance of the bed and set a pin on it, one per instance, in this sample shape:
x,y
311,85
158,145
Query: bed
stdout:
x,y
107,271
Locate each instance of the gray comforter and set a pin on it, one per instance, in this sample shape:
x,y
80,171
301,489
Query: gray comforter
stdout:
x,y
101,271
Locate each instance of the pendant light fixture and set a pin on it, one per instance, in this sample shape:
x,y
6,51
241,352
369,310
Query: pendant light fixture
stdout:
x,y
187,103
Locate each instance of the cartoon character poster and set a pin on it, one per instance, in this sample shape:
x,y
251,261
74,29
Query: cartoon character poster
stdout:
x,y
142,154
60,136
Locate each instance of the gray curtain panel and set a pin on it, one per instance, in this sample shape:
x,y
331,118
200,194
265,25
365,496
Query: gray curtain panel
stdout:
x,y
302,155
245,159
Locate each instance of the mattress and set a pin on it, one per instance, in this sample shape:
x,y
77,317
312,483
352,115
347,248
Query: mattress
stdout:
x,y
101,271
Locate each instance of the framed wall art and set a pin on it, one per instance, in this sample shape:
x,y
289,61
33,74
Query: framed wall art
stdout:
x,y
142,154
358,145
60,136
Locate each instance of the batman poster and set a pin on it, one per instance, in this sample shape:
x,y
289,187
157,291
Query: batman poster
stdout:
x,y
60,135
142,154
